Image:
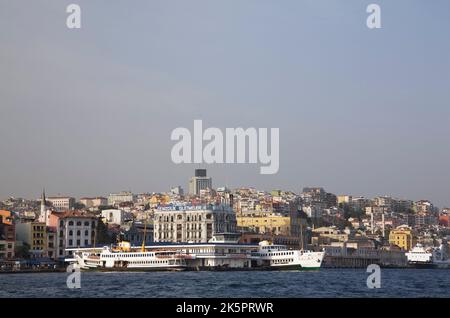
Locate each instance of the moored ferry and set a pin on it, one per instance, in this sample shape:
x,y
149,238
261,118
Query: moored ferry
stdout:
x,y
279,257
428,257
123,256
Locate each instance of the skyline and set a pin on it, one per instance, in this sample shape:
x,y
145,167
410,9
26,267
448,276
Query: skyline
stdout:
x,y
90,111
185,188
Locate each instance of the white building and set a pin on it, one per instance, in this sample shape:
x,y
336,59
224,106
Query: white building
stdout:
x,y
124,196
197,224
178,190
312,211
94,202
116,216
62,203
73,229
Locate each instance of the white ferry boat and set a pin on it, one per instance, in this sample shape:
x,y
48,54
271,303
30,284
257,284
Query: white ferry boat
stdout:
x,y
280,257
123,256
430,257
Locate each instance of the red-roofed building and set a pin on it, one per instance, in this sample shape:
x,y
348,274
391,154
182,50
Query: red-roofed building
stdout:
x,y
73,229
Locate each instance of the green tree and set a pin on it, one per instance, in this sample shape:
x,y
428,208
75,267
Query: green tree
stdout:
x,y
78,206
22,251
103,236
351,212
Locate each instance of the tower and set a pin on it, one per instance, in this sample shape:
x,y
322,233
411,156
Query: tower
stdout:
x,y
372,229
199,182
43,217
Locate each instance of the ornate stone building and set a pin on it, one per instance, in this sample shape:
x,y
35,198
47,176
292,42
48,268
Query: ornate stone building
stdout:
x,y
191,223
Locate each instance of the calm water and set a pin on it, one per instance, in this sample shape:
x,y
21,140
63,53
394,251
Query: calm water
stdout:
x,y
323,283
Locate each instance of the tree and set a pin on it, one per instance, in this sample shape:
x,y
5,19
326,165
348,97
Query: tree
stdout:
x,y
351,212
78,206
22,251
103,236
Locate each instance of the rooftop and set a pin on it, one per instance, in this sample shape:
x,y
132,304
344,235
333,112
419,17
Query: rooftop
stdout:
x,y
75,213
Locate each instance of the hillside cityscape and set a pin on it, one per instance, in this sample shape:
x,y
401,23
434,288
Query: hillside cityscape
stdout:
x,y
353,231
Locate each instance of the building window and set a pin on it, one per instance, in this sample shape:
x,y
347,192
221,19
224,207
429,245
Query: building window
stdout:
x,y
78,233
86,233
70,222
70,242
79,223
70,233
86,223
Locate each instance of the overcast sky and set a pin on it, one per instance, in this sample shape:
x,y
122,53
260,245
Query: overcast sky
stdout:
x,y
360,111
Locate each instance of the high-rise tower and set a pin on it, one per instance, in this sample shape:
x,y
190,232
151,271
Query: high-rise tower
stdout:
x,y
199,182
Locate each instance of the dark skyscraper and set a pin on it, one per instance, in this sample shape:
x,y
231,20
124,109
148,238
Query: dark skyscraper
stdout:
x,y
200,172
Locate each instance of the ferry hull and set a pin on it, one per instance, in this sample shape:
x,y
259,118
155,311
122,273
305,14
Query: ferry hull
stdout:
x,y
294,267
429,265
133,269
250,269
421,265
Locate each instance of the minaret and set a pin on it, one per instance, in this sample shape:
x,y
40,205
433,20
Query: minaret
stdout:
x,y
43,215
372,229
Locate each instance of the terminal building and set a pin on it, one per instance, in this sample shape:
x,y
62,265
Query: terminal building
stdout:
x,y
192,223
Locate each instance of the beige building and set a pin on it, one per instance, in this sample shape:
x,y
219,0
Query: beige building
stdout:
x,y
266,224
326,235
35,235
196,224
94,202
344,199
121,197
62,203
377,210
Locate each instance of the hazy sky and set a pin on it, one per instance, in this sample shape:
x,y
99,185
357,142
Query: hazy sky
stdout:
x,y
360,111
